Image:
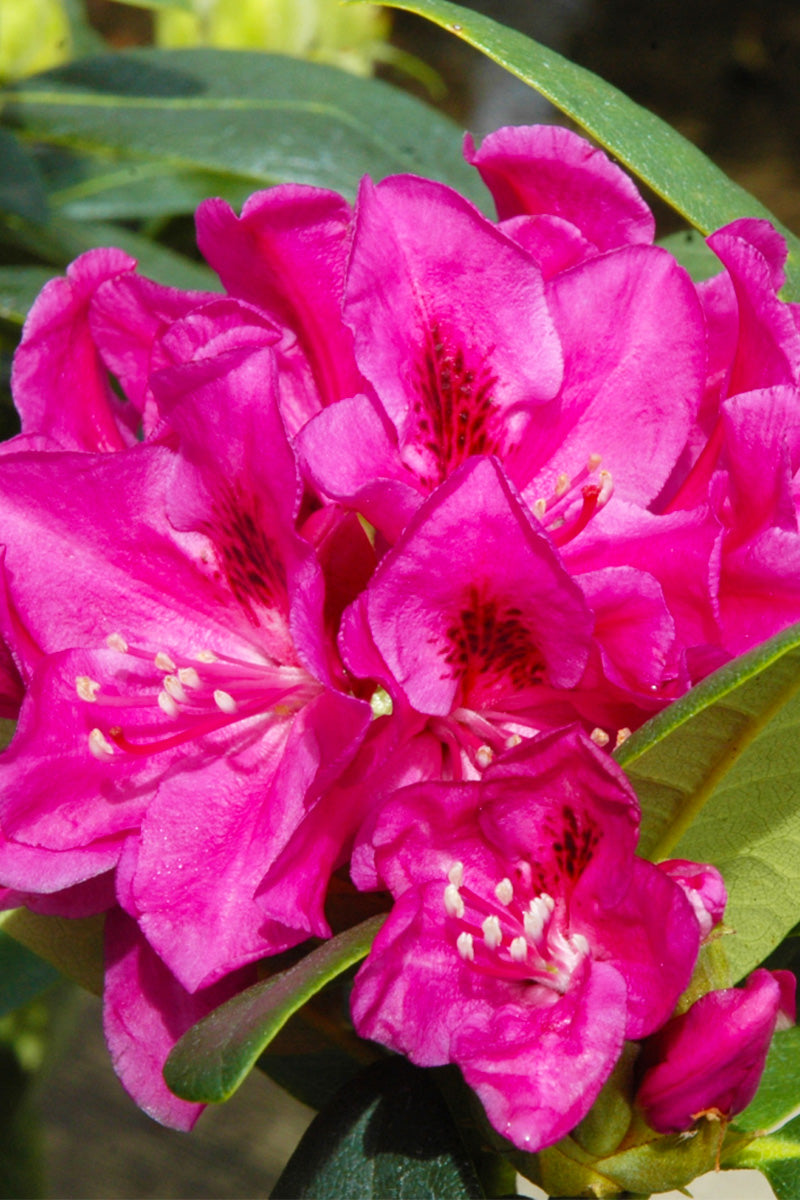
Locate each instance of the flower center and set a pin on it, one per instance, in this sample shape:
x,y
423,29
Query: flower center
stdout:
x,y
507,938
168,699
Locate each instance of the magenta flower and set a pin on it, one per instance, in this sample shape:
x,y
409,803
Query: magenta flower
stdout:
x,y
708,1062
183,710
526,941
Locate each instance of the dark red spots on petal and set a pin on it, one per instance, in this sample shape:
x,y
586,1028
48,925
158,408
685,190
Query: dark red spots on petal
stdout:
x,y
455,411
248,556
491,648
574,844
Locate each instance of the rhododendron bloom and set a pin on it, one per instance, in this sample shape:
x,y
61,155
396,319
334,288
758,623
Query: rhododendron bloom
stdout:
x,y
526,941
709,1061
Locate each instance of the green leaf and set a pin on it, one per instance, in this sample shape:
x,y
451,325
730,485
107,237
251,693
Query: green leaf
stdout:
x,y
692,252
109,187
262,118
19,287
61,240
210,1061
74,946
21,187
718,777
777,1157
387,1133
23,975
778,1098
674,168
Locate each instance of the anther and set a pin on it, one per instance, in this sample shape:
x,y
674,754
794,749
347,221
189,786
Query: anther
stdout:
x,y
483,756
504,892
100,746
164,662
167,704
540,508
622,736
206,656
115,641
87,688
456,874
518,950
465,946
562,485
453,904
599,737
174,688
492,933
189,677
594,462
225,701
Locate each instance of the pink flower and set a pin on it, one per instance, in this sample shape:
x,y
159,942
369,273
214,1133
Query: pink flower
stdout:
x,y
184,708
526,941
709,1060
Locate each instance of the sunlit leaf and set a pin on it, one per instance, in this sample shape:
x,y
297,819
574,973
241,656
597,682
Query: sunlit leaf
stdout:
x,y
674,168
718,777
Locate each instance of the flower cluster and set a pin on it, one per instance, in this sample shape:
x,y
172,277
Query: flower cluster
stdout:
x,y
366,563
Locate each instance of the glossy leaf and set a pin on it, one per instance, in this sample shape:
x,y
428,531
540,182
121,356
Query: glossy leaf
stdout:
x,y
674,168
691,251
210,1061
262,118
73,946
23,975
718,777
387,1133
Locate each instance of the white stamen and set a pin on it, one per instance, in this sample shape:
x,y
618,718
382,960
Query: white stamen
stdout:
x,y
164,662
167,704
189,677
518,949
514,740
87,688
381,703
492,933
465,946
540,508
594,461
504,892
456,874
599,737
483,756
453,904
115,641
100,746
562,485
580,943
535,919
206,656
622,736
225,701
173,687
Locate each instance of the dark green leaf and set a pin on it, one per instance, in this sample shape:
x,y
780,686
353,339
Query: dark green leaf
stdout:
x,y
183,5
21,186
651,149
74,946
261,118
61,240
102,187
718,777
23,975
214,1057
19,287
387,1133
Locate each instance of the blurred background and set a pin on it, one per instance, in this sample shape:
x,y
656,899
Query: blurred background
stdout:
x,y
726,73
